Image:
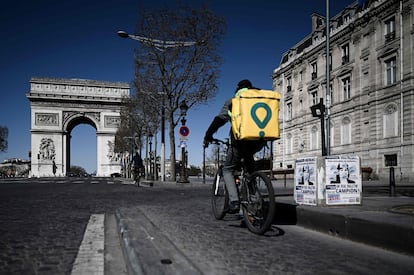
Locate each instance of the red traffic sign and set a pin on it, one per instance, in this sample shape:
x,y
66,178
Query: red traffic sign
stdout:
x,y
184,131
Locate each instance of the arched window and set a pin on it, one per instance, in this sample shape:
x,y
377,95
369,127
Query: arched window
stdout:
x,y
346,130
390,118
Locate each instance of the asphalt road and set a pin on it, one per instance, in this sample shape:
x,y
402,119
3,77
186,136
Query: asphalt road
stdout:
x,y
42,222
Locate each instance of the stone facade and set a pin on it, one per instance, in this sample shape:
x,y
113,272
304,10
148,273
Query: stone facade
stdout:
x,y
58,106
371,67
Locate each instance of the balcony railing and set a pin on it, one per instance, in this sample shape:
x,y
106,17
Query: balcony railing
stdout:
x,y
390,36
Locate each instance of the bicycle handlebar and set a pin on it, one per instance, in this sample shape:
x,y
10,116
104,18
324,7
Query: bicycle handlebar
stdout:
x,y
217,141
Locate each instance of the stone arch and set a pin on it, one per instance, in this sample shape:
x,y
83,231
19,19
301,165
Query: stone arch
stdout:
x,y
73,119
58,106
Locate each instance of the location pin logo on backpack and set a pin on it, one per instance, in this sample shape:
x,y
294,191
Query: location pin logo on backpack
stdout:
x,y
261,123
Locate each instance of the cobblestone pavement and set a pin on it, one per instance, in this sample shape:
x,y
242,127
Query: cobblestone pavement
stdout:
x,y
224,247
42,223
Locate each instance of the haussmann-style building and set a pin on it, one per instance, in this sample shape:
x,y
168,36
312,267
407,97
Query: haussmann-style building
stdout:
x,y
371,83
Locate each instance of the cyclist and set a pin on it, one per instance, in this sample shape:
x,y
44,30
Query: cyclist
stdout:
x,y
138,165
237,150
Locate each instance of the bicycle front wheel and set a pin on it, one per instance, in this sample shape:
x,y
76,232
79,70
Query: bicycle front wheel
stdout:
x,y
258,204
219,196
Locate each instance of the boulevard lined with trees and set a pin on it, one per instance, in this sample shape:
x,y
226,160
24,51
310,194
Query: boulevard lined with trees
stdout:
x,y
176,61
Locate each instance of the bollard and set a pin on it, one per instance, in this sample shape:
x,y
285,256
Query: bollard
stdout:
x,y
392,182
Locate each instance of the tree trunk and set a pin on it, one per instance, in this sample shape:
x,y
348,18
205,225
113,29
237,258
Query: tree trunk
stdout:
x,y
172,146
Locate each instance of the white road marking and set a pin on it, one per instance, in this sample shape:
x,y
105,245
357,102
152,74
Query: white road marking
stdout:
x,y
90,258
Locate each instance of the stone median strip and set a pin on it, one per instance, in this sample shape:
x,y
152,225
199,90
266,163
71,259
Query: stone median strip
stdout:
x,y
90,258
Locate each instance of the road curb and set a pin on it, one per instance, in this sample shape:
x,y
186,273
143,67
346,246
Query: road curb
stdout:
x,y
381,229
146,249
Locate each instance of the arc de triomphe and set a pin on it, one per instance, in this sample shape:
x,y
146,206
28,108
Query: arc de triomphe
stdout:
x,y
58,106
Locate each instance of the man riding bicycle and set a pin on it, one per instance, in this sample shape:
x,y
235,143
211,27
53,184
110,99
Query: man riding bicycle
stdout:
x,y
237,150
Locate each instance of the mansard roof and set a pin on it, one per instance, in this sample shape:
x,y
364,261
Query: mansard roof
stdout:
x,y
320,29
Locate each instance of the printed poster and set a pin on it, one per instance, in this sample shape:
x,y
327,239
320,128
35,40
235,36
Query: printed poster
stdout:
x,y
343,180
305,181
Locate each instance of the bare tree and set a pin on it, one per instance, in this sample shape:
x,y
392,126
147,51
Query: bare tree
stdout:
x,y
4,132
138,120
177,60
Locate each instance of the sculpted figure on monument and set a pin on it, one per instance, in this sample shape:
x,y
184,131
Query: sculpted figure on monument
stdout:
x,y
47,149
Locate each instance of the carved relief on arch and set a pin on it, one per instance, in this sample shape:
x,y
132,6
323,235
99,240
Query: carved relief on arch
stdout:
x,y
112,121
47,149
46,119
67,116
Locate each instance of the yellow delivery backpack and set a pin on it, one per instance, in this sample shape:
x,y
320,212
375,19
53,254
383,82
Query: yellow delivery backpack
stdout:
x,y
255,115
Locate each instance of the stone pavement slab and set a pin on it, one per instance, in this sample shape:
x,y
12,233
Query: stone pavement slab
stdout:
x,y
147,249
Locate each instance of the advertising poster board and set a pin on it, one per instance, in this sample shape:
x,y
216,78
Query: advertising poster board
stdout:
x,y
305,181
343,180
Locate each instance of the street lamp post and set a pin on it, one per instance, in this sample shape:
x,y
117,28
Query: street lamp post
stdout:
x,y
328,86
183,174
150,136
160,45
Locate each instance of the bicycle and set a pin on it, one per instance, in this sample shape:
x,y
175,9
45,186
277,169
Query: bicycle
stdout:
x,y
255,193
138,174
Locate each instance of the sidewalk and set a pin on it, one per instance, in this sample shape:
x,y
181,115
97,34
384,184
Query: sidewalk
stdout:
x,y
381,220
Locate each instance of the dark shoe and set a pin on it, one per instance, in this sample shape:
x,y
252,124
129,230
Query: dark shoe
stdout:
x,y
234,207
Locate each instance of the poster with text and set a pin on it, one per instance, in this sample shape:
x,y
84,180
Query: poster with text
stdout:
x,y
305,181
343,180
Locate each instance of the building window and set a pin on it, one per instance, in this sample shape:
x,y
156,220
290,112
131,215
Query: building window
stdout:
x,y
331,93
390,160
289,110
314,70
289,84
314,138
300,76
346,88
390,29
347,17
391,70
315,99
346,131
390,121
345,54
289,144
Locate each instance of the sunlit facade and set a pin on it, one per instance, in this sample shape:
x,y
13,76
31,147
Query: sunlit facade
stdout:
x,y
371,66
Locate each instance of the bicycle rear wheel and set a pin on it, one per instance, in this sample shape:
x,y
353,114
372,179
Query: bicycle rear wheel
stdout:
x,y
219,196
137,178
258,203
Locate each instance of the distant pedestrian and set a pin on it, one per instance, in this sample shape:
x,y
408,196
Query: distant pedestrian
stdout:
x,y
54,167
